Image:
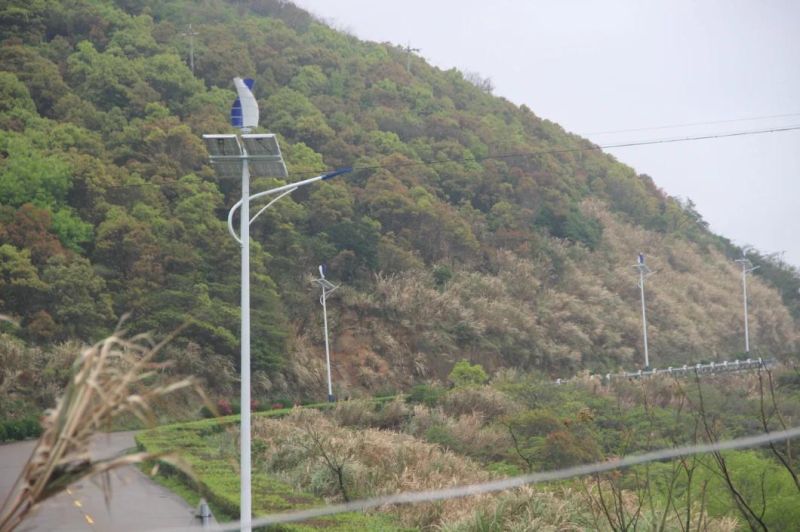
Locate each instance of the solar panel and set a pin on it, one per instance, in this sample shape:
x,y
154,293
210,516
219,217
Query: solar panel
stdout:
x,y
264,155
326,284
263,168
222,145
226,153
261,144
228,169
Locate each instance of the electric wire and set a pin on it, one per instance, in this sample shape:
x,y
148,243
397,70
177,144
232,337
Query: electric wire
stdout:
x,y
514,482
693,124
302,173
595,147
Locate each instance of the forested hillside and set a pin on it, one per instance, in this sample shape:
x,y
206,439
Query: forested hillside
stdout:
x,y
470,228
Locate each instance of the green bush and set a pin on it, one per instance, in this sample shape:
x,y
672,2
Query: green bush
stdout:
x,y
440,434
465,374
19,429
425,394
504,469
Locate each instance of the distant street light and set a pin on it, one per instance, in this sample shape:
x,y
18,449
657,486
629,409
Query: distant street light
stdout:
x,y
232,156
327,288
644,272
747,267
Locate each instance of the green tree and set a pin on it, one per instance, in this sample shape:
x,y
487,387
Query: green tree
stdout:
x,y
41,77
466,374
21,289
109,80
29,227
29,176
14,95
78,299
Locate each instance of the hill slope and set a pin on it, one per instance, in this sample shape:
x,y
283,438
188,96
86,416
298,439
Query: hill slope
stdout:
x,y
471,228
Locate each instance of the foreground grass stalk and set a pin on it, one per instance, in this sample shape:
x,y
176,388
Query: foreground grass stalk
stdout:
x,y
108,381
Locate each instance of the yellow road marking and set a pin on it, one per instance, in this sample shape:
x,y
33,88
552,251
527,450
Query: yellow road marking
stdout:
x,y
78,504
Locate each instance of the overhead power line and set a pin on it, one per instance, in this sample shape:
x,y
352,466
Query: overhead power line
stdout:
x,y
693,124
515,482
537,153
595,147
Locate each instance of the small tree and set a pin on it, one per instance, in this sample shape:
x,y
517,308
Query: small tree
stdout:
x,y
465,374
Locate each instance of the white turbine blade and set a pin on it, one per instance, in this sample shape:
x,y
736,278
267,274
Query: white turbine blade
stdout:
x,y
248,103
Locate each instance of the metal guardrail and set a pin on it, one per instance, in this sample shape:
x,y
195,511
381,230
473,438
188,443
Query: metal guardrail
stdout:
x,y
687,369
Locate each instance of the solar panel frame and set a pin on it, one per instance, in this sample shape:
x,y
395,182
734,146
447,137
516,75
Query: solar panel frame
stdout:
x,y
223,145
261,150
264,155
264,168
228,169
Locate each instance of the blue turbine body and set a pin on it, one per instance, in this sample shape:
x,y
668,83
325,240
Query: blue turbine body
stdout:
x,y
241,114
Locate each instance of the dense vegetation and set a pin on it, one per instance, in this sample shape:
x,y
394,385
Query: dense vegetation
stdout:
x,y
517,423
471,228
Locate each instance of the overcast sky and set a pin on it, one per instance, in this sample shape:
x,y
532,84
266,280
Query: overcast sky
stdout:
x,y
596,67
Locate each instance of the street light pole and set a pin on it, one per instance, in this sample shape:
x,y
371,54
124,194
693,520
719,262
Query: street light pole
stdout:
x,y
244,399
747,267
327,289
234,155
327,344
644,272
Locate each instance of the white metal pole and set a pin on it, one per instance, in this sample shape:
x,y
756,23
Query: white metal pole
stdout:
x,y
744,293
644,319
245,513
327,347
191,48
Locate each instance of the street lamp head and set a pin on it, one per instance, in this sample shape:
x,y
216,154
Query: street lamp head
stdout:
x,y
336,172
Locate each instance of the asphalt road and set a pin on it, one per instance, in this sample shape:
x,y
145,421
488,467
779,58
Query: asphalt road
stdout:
x,y
137,503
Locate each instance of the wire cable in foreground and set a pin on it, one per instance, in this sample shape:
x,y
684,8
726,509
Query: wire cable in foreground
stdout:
x,y
515,482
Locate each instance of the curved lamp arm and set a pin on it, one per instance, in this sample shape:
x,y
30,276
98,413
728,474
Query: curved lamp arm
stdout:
x,y
282,191
267,206
326,292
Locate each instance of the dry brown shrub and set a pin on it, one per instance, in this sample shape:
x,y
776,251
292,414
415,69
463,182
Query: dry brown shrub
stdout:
x,y
217,373
306,366
375,462
472,437
527,509
423,418
355,413
393,415
32,373
489,402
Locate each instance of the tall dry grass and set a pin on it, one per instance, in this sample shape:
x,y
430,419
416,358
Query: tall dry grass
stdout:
x,y
109,380
310,450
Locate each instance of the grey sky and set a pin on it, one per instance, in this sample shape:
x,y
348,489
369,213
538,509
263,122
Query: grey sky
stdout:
x,y
616,65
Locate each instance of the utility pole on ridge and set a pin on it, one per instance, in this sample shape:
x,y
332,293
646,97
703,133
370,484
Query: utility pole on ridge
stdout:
x,y
190,33
408,51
